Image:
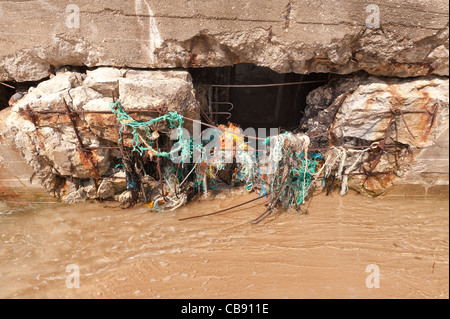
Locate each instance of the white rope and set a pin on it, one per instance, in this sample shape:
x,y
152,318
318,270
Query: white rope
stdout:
x,y
344,183
342,164
188,175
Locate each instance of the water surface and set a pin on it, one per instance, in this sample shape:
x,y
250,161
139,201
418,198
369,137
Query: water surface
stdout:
x,y
135,253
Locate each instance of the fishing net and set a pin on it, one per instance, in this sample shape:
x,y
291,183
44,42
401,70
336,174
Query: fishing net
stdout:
x,y
143,137
286,172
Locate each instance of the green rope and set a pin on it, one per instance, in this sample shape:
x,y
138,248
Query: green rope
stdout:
x,y
175,121
291,189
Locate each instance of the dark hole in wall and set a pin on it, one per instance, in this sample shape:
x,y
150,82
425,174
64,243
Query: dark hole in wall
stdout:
x,y
9,89
11,92
278,106
5,94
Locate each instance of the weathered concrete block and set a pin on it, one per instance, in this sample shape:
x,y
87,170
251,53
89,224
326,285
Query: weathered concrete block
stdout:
x,y
107,189
104,80
147,92
61,82
286,35
430,165
358,110
81,96
173,91
384,95
49,142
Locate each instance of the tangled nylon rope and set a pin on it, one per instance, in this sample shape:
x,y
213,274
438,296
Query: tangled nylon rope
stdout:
x,y
293,185
337,158
290,169
143,143
287,173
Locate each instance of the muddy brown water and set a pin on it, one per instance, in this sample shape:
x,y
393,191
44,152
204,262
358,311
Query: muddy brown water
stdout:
x,y
327,253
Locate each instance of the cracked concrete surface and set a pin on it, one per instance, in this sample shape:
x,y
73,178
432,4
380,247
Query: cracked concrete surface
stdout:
x,y
288,36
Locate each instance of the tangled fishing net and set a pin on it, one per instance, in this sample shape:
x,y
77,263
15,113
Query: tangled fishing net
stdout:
x,y
143,137
286,172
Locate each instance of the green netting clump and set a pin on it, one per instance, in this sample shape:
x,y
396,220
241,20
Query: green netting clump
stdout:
x,y
144,142
284,174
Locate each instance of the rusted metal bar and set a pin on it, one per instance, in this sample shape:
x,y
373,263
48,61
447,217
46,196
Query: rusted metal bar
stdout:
x,y
158,110
372,173
101,112
434,114
406,124
230,150
223,113
226,209
102,147
71,116
349,174
262,85
222,129
7,85
349,121
381,145
86,152
398,112
349,147
71,173
207,117
30,114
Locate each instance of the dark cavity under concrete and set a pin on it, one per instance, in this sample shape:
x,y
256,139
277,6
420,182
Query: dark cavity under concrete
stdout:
x,y
254,96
